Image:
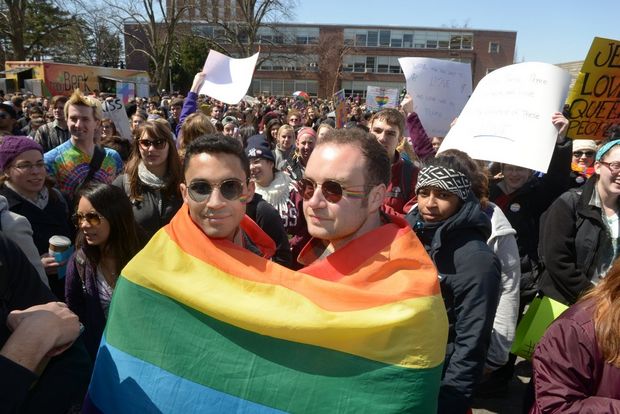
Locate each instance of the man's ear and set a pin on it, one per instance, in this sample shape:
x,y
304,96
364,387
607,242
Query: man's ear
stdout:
x,y
376,197
248,195
184,193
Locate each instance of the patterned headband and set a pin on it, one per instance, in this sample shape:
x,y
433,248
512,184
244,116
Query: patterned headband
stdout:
x,y
446,179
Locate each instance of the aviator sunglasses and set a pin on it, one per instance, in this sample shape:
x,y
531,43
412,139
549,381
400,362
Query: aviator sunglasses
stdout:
x,y
92,218
331,190
579,154
201,190
145,144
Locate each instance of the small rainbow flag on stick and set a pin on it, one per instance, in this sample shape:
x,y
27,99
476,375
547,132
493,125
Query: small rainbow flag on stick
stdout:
x,y
200,325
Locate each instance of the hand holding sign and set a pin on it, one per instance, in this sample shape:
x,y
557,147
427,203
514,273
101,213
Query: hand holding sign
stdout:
x,y
227,79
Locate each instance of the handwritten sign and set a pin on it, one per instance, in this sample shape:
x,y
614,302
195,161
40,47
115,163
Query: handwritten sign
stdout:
x,y
595,99
439,88
115,110
378,98
341,108
508,117
227,79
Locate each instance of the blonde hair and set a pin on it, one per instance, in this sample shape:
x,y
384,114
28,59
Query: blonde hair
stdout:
x,y
78,99
285,127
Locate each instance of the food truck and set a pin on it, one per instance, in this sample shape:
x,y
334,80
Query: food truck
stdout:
x,y
51,78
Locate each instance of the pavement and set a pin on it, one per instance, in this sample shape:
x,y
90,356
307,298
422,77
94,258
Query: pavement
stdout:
x,y
512,401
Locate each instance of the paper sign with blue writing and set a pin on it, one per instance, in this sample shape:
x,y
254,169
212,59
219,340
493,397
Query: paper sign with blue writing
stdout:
x,y
115,110
508,117
227,79
439,88
378,98
594,101
341,108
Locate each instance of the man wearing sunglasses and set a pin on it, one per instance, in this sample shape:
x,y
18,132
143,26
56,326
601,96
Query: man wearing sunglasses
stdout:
x,y
217,189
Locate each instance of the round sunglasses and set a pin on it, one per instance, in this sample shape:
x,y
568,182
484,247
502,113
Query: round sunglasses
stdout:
x,y
145,143
331,190
200,190
92,218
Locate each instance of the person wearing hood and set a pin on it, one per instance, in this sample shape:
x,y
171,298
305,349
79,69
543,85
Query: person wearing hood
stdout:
x,y
454,230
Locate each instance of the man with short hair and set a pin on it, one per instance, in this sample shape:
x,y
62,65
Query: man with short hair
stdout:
x,y
79,160
217,112
294,119
175,113
8,120
388,126
56,132
222,328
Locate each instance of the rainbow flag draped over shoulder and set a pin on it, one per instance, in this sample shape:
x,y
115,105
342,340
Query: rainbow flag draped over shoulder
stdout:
x,y
201,325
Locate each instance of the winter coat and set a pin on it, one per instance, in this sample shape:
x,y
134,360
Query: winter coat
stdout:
x,y
573,238
470,276
569,372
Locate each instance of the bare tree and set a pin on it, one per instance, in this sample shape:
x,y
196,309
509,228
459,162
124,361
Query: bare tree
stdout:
x,y
149,28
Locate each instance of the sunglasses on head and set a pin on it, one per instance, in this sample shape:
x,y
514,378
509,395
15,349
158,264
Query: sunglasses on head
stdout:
x,y
201,190
148,143
331,190
579,154
92,218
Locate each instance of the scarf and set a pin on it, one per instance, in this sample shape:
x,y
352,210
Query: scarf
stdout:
x,y
278,191
150,179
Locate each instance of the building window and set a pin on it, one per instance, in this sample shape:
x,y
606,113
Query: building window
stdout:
x,y
360,40
373,38
384,38
493,47
408,40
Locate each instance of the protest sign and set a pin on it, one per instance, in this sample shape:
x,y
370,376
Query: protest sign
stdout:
x,y
378,98
341,108
115,110
508,117
439,88
595,99
227,79
125,91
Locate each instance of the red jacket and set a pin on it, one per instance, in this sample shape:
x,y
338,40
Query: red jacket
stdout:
x,y
398,201
570,375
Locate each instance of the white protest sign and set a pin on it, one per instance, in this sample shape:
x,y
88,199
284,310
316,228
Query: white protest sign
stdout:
x,y
439,88
508,117
115,110
227,79
378,98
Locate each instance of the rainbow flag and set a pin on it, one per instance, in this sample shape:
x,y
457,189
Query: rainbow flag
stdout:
x,y
201,325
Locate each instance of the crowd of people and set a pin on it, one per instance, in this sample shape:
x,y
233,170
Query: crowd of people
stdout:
x,y
275,177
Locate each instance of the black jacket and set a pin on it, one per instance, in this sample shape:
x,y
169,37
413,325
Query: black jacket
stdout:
x,y
268,219
65,377
573,242
470,276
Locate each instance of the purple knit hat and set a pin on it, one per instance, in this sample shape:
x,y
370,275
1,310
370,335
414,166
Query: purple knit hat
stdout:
x,y
13,145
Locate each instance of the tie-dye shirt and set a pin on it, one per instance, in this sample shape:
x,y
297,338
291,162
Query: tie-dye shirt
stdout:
x,y
68,165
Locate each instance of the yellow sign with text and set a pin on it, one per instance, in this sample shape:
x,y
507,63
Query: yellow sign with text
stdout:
x,y
594,102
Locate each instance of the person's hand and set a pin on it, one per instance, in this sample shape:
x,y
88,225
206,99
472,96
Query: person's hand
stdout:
x,y
50,264
52,326
407,104
560,123
199,79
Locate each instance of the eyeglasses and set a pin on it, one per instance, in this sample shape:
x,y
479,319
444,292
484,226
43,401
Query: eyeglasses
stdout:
x,y
613,166
201,190
147,143
331,190
28,166
579,154
92,218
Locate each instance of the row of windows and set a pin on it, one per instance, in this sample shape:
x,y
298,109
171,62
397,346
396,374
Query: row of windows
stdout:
x,y
418,39
378,64
289,35
359,88
290,62
282,87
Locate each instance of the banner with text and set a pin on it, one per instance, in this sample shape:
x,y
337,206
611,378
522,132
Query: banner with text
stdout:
x,y
594,101
439,88
378,98
508,117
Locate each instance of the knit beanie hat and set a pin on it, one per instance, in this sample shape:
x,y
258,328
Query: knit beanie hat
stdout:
x,y
259,149
446,179
584,145
12,146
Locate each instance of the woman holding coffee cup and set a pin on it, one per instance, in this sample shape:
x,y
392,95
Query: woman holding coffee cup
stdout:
x,y
30,193
107,239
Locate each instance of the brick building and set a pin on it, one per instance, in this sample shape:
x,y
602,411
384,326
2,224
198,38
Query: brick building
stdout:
x,y
322,59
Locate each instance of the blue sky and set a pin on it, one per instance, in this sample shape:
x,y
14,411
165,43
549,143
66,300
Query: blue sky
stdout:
x,y
547,31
